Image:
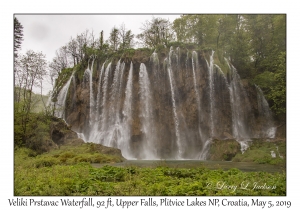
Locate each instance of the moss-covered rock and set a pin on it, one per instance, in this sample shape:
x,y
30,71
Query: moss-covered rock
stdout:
x,y
61,133
224,150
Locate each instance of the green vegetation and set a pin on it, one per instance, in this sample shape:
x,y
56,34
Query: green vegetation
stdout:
x,y
34,133
65,76
260,152
67,172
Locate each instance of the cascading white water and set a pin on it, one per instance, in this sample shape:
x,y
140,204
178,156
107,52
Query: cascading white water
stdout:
x,y
74,93
146,115
111,121
61,99
175,116
120,88
124,142
178,55
211,94
104,98
203,139
98,101
222,73
133,118
92,101
268,129
114,131
239,114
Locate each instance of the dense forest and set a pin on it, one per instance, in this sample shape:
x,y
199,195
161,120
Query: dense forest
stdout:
x,y
255,44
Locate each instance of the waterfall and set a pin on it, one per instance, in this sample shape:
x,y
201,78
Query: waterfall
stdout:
x,y
178,55
111,120
268,129
74,93
104,98
146,115
91,91
176,120
194,66
61,99
124,143
120,89
211,94
115,129
241,112
155,110
98,101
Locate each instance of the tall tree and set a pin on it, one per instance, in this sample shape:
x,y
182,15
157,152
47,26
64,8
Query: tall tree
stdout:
x,y
73,50
114,39
31,71
155,32
126,37
18,35
129,39
101,41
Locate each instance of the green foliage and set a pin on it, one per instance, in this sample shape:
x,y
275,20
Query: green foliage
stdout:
x,y
278,91
273,83
114,39
36,134
46,175
265,80
79,71
252,42
260,152
155,32
63,77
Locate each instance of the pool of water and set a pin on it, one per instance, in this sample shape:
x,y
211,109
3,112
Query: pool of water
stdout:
x,y
225,165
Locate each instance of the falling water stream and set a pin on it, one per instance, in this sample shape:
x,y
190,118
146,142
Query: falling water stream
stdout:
x,y
144,112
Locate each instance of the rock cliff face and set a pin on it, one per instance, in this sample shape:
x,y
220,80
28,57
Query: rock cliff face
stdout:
x,y
169,105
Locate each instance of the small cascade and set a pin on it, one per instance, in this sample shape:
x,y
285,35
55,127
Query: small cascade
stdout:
x,y
61,99
81,136
241,112
176,120
104,99
146,115
119,94
74,93
178,55
194,66
155,62
113,120
98,101
219,71
92,101
114,128
211,94
124,143
268,129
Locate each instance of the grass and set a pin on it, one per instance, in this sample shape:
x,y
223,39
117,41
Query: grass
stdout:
x,y
67,171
